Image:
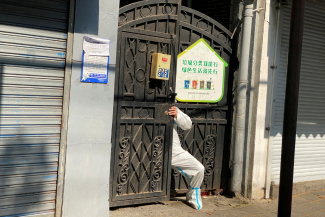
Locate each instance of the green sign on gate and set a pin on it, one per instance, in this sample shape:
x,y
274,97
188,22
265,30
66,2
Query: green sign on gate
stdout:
x,y
200,74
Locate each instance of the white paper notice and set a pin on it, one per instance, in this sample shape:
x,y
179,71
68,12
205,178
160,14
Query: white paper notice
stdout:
x,y
95,60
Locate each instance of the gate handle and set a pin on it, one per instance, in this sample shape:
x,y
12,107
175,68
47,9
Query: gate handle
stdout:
x,y
172,98
172,94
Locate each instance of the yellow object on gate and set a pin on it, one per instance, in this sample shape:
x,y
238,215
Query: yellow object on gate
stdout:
x,y
160,67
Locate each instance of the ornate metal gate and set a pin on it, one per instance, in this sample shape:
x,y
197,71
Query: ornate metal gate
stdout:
x,y
142,136
206,139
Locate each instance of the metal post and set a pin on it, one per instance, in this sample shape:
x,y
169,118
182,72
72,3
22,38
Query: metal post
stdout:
x,y
291,108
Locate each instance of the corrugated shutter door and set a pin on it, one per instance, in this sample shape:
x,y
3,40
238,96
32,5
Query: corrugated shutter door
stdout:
x,y
33,37
310,138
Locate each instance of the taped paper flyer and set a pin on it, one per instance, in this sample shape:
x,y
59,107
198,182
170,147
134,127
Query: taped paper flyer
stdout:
x,y
95,60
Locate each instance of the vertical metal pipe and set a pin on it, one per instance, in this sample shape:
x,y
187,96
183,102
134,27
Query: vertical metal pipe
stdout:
x,y
291,108
237,164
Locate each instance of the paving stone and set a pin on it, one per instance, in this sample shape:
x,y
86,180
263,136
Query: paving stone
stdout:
x,y
272,201
269,207
297,214
236,212
303,205
254,209
316,206
304,209
298,201
271,214
322,202
319,193
309,197
318,214
214,213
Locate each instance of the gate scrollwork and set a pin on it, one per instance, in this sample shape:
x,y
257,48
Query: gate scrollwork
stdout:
x,y
209,156
164,9
124,155
122,21
157,161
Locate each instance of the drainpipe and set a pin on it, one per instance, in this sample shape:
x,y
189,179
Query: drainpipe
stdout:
x,y
238,156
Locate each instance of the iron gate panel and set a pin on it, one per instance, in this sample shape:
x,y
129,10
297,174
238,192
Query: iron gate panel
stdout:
x,y
159,16
142,137
206,139
143,129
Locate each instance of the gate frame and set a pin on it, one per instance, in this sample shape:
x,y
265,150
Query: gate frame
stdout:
x,y
122,34
124,29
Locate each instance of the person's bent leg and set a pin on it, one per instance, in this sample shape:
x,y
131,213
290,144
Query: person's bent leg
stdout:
x,y
191,168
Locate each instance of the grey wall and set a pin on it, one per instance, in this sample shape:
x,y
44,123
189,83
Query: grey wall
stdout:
x,y
90,117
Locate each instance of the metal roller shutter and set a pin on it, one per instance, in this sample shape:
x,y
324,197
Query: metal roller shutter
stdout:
x,y
33,37
310,139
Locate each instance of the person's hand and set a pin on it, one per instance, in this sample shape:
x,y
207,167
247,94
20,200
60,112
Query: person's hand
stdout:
x,y
173,112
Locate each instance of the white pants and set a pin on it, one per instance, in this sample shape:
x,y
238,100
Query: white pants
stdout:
x,y
192,169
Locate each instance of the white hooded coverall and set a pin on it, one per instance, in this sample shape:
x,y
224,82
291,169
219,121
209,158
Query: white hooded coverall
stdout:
x,y
185,163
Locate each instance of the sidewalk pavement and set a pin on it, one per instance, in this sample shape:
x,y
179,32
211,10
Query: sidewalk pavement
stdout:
x,y
306,204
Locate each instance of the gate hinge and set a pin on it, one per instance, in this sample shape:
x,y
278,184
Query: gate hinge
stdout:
x,y
274,67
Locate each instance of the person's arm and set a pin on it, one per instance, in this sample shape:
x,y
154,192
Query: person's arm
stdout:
x,y
182,120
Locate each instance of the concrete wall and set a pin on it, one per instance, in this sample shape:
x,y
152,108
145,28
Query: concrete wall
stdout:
x,y
264,101
86,187
259,140
259,94
252,94
299,188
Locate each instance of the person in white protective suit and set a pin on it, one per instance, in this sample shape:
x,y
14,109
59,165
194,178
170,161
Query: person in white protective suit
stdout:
x,y
184,162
